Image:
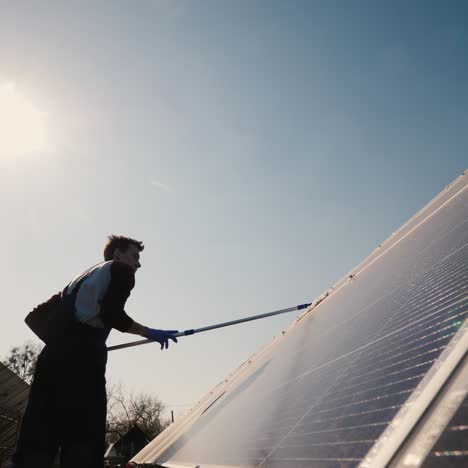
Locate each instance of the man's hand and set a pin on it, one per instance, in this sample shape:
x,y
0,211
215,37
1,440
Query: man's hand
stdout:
x,y
161,336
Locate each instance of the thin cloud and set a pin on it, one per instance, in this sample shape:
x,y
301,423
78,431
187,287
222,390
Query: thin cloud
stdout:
x,y
161,186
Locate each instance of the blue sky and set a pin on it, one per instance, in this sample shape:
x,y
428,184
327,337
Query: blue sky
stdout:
x,y
260,149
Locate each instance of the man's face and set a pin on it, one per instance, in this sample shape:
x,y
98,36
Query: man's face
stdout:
x,y
130,257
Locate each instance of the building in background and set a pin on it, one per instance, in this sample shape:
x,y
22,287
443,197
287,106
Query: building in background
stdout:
x,y
118,453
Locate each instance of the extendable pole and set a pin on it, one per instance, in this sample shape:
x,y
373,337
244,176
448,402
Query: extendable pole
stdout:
x,y
212,327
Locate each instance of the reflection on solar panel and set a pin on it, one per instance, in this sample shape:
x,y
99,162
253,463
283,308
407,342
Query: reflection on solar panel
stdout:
x,y
348,380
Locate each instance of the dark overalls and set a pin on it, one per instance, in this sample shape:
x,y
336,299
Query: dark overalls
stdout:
x,y
67,400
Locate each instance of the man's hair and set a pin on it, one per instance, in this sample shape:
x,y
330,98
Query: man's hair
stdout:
x,y
122,243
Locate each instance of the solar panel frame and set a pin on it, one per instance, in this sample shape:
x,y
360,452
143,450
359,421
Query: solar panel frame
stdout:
x,y
425,435
380,452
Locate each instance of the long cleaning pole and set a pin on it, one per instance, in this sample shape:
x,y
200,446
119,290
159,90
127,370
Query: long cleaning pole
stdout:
x,y
212,327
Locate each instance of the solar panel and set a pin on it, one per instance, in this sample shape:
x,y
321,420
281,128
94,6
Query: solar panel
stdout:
x,y
346,382
13,398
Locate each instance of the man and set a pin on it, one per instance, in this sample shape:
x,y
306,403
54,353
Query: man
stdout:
x,y
67,400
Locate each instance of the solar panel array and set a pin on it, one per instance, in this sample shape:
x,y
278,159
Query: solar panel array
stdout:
x,y
13,398
324,393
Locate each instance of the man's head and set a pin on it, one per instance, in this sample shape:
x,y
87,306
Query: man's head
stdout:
x,y
125,250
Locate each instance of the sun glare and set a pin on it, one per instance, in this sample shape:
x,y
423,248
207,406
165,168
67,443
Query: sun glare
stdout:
x,y
23,129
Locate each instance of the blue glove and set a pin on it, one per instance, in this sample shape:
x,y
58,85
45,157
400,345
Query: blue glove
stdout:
x,y
161,336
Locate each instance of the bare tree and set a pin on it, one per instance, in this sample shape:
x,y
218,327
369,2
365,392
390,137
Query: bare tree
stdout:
x,y
126,409
22,360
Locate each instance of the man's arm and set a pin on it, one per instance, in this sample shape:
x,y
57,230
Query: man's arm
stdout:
x,y
121,284
112,309
137,329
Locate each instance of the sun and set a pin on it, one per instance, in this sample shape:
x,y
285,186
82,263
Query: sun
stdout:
x,y
23,129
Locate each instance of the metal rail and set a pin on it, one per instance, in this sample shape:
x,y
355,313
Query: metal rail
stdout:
x,y
192,331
